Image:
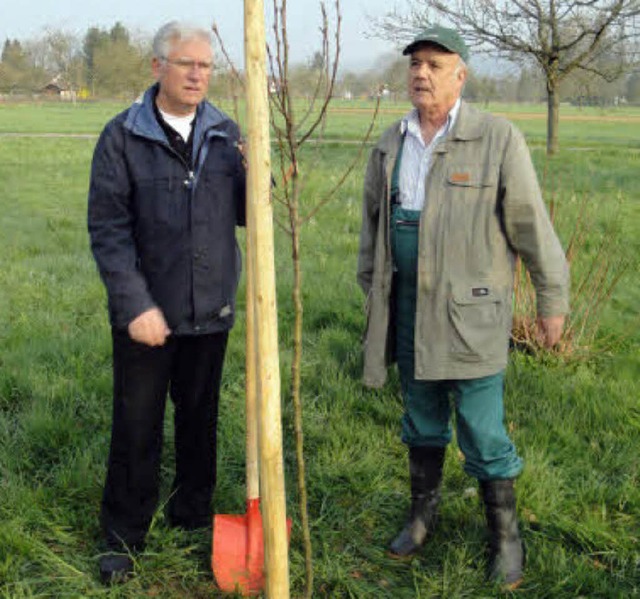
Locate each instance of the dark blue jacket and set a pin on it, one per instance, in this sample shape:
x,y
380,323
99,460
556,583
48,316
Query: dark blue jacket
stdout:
x,y
162,233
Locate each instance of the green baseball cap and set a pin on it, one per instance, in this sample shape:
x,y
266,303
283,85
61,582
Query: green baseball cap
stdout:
x,y
449,39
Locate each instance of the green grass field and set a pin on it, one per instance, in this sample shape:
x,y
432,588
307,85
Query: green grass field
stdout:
x,y
586,128
577,424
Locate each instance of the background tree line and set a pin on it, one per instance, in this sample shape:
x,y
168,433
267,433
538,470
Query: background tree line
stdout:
x,y
507,82
114,63
105,62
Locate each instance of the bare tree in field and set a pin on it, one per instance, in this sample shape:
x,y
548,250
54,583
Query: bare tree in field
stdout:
x,y
559,36
295,121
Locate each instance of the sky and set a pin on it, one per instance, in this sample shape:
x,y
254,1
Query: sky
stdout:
x,y
26,19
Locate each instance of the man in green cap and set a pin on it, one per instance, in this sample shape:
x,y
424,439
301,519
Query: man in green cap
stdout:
x,y
451,199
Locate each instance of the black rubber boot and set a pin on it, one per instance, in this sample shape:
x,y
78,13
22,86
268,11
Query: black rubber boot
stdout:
x,y
115,568
425,469
506,550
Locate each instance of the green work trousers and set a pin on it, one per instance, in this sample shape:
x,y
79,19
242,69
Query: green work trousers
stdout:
x,y
481,434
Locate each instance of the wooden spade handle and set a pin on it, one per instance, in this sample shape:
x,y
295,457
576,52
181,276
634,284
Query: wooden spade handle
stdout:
x,y
253,484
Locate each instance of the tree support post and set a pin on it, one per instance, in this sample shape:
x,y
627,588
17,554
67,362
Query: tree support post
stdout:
x,y
260,230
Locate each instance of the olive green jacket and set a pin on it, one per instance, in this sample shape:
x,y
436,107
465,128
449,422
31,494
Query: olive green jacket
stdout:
x,y
483,206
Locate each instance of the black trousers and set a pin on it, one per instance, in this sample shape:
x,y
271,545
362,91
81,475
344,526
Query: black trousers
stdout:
x,y
190,369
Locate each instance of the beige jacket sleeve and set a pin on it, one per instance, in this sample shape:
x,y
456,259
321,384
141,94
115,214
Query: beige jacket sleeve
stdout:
x,y
374,188
530,231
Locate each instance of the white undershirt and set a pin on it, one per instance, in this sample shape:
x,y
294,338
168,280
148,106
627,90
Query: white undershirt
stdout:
x,y
182,124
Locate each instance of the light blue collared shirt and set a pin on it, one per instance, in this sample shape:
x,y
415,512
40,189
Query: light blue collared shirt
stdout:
x,y
416,157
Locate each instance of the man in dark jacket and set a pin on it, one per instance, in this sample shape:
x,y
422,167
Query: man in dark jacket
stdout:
x,y
167,191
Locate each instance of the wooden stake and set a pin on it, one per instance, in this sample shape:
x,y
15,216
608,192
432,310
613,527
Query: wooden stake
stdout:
x,y
260,231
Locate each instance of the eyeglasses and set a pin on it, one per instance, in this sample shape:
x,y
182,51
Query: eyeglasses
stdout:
x,y
187,65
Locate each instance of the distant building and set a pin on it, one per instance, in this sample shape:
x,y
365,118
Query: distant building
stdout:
x,y
58,88
51,89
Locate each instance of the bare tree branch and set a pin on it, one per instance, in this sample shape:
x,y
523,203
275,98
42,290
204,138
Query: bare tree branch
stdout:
x,y
325,62
559,36
348,170
332,80
223,49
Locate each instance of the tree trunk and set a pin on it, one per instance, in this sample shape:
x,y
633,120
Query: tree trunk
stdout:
x,y
296,384
553,114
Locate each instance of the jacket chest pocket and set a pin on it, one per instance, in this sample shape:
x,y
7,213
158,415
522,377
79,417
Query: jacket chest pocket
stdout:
x,y
217,193
471,216
472,181
164,202
222,160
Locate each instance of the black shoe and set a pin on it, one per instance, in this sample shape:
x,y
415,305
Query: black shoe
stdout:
x,y
115,568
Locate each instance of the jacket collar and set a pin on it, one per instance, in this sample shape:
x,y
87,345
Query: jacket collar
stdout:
x,y
467,126
141,119
411,122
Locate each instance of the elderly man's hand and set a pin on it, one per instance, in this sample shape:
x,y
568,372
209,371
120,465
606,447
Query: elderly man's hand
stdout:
x,y
149,328
550,329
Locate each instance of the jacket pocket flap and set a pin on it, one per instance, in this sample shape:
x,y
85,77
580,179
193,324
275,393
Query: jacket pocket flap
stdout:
x,y
475,293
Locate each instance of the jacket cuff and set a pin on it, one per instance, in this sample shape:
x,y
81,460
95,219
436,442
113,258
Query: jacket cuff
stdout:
x,y
125,307
552,306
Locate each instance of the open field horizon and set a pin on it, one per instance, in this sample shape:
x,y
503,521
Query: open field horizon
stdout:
x,y
616,125
576,423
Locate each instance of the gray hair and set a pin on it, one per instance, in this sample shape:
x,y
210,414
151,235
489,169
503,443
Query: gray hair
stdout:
x,y
174,32
460,66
